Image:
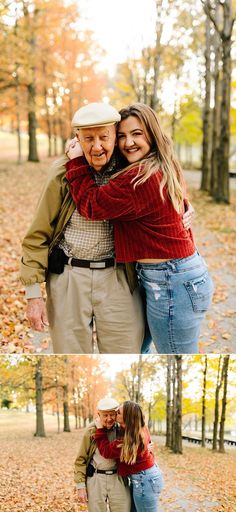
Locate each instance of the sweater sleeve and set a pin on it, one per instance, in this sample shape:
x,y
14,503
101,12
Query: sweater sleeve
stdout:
x,y
114,200
108,450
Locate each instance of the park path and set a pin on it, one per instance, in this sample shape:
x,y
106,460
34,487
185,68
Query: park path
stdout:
x,y
218,333
185,499
181,493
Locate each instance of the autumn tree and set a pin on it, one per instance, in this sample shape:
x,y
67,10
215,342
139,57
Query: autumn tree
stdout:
x,y
46,77
225,369
217,398
174,404
40,431
168,400
204,402
221,19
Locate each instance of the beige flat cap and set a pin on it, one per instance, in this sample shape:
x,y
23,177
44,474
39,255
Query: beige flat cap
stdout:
x,y
107,404
95,114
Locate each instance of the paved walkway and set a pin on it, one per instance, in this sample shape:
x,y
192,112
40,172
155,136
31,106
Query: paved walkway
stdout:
x,y
176,495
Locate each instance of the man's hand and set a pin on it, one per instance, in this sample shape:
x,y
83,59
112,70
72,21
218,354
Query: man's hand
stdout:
x,y
150,446
82,495
73,149
36,313
188,216
98,422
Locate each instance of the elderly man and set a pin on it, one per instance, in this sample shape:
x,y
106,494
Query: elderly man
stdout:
x,y
76,256
96,477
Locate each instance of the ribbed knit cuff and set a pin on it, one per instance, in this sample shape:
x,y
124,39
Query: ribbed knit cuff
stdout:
x,y
80,486
33,291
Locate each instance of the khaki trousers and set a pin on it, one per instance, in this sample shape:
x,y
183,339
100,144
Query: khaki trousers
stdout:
x,y
107,488
79,294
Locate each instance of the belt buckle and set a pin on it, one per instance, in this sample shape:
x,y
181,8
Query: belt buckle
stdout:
x,y
97,264
109,472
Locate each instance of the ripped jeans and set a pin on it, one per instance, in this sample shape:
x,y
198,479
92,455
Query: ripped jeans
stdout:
x,y
178,294
145,488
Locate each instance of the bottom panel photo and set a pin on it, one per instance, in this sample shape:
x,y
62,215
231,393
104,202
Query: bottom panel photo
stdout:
x,y
118,433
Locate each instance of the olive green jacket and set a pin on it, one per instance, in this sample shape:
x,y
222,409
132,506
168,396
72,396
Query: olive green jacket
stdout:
x,y
86,450
54,210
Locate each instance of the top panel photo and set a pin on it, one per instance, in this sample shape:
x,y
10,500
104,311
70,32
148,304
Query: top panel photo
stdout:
x,y
118,180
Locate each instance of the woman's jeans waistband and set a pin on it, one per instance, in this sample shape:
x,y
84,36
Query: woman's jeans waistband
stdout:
x,y
176,265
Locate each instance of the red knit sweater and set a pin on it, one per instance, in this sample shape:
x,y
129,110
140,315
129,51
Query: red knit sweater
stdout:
x,y
144,225
112,450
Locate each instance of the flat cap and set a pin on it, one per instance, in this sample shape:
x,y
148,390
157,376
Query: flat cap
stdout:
x,y
107,404
95,114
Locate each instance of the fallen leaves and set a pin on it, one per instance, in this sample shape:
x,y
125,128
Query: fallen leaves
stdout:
x,y
36,474
20,187
201,477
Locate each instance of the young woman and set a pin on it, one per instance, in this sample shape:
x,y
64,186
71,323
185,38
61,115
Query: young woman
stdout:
x,y
146,202
134,460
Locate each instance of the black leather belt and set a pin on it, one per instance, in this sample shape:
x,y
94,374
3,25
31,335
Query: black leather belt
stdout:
x,y
106,471
109,262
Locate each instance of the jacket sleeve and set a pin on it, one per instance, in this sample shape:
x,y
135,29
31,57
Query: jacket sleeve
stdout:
x,y
36,242
86,449
108,450
115,200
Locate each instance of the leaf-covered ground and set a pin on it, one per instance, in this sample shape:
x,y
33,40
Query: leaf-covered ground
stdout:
x,y
214,229
36,474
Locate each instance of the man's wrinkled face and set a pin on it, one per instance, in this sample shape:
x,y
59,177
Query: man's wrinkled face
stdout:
x,y
98,144
108,418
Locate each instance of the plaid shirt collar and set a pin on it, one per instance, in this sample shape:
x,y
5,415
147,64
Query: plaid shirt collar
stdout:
x,y
113,166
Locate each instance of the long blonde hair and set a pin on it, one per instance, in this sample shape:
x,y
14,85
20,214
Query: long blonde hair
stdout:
x,y
161,155
134,435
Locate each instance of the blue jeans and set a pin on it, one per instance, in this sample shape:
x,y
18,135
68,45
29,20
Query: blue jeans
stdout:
x,y
178,294
146,487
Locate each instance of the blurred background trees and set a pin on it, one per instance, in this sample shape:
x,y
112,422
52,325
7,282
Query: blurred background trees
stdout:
x,y
176,393
52,64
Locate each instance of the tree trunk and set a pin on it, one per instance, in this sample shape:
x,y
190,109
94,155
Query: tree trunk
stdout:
x,y
224,403
32,123
216,110
223,153
225,32
157,55
54,125
173,411
17,98
205,182
66,401
19,156
48,120
62,133
216,415
168,402
139,374
57,405
40,432
204,404
75,396
66,409
178,414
